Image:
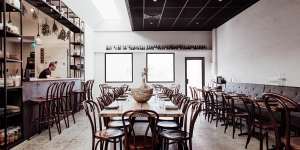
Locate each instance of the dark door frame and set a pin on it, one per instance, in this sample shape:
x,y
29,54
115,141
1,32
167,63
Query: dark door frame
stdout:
x,y
203,70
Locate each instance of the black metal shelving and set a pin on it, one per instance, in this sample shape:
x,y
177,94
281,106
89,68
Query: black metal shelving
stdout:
x,y
77,55
11,121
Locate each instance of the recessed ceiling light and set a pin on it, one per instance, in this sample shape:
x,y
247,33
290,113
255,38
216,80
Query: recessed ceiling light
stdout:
x,y
32,9
220,0
151,22
154,0
197,22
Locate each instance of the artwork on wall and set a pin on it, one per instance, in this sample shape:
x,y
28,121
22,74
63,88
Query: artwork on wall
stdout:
x,y
156,47
42,55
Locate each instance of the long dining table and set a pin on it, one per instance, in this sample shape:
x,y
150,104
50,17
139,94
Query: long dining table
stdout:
x,y
163,106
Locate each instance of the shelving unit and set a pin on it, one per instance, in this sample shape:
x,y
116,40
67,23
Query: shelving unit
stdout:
x,y
11,103
77,53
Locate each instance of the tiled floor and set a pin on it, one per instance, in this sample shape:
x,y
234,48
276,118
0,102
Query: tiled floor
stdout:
x,y
78,137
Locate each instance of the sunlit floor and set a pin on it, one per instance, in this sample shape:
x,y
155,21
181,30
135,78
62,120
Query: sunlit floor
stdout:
x,y
78,137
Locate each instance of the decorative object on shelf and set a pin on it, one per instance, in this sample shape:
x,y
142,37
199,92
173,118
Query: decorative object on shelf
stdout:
x,y
54,27
46,28
156,47
144,92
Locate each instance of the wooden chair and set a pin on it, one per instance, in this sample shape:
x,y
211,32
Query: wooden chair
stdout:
x,y
101,136
47,109
144,141
181,137
275,104
233,114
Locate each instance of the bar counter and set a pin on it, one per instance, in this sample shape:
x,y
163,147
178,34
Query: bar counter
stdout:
x,y
38,88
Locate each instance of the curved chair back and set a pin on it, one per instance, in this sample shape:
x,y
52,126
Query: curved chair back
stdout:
x,y
191,114
131,138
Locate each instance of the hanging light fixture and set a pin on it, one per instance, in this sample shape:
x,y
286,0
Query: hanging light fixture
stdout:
x,y
38,40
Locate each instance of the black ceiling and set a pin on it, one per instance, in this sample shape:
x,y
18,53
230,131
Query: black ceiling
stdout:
x,y
183,15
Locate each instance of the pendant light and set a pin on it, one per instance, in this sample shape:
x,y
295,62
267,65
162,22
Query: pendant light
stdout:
x,y
38,37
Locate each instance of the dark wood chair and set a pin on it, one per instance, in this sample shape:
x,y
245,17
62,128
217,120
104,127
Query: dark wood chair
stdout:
x,y
145,141
183,136
234,113
101,136
275,104
47,109
68,101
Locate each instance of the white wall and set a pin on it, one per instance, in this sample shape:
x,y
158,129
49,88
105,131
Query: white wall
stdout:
x,y
101,39
139,63
261,44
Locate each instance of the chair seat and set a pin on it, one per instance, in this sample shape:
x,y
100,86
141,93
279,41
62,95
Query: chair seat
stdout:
x,y
141,142
167,124
117,124
109,134
175,135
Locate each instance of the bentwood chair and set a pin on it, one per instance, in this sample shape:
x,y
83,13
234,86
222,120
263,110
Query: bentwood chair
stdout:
x,y
47,109
146,140
68,101
183,136
275,104
234,114
100,136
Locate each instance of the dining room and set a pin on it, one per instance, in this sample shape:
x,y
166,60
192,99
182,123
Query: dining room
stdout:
x,y
149,74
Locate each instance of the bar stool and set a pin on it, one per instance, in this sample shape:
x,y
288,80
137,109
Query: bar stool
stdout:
x,y
47,109
82,96
69,104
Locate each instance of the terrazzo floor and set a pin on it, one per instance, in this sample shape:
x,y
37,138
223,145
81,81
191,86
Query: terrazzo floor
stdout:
x,y
78,137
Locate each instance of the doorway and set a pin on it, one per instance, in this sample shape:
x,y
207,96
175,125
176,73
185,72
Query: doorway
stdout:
x,y
194,73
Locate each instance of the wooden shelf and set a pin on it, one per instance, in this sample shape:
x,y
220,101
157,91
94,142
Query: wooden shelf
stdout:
x,y
9,7
55,14
77,56
8,34
77,43
10,60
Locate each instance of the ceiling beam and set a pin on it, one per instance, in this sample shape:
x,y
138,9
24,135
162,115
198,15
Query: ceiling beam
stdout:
x,y
178,16
162,13
143,14
215,14
198,13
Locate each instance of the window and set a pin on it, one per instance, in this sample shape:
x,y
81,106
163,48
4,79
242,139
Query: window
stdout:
x,y
160,67
118,67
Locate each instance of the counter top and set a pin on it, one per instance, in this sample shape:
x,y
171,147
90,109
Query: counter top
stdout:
x,y
51,79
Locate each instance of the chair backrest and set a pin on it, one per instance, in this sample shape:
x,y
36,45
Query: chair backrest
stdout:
x,y
151,118
92,111
277,103
190,116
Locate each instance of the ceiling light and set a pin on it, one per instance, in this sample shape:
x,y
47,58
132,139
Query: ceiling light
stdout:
x,y
220,0
32,9
151,22
154,0
197,22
